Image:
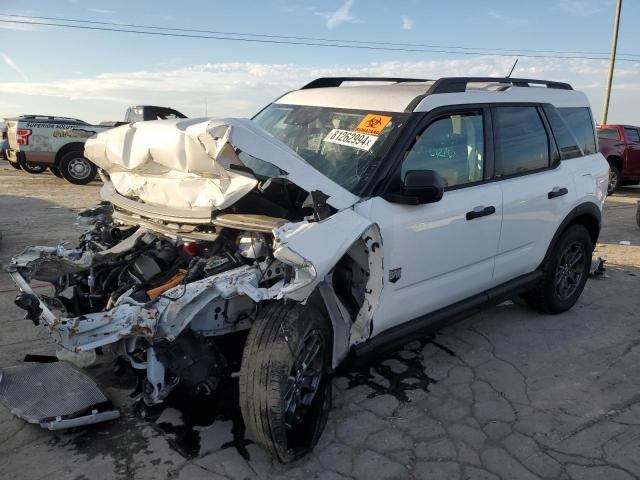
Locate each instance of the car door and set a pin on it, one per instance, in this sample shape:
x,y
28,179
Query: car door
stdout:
x,y
632,138
537,189
439,253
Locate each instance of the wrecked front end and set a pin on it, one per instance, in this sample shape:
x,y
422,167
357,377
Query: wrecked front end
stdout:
x,y
188,245
153,300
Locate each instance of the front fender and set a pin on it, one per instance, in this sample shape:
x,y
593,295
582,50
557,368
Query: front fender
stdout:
x,y
316,248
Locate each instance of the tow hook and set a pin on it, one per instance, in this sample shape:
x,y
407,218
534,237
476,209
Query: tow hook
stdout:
x,y
29,303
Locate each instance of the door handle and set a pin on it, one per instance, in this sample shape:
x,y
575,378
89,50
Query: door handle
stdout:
x,y
557,192
480,212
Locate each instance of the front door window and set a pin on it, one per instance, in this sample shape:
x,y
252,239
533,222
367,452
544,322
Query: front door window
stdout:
x,y
453,146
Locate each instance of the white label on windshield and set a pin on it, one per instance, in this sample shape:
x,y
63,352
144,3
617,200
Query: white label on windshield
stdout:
x,y
361,141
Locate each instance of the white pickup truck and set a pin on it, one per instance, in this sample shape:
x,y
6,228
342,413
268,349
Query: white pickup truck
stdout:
x,y
38,142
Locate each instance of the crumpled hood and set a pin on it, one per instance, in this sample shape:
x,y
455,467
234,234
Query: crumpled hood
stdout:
x,y
186,163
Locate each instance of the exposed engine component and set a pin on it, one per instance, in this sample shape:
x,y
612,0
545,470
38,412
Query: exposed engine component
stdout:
x,y
251,245
192,359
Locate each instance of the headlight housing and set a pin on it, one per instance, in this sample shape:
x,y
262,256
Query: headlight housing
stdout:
x,y
304,273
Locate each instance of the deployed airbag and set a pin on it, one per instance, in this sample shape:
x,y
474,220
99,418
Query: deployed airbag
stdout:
x,y
188,163
173,163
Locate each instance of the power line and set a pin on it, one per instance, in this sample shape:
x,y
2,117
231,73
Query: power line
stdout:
x,y
308,43
315,39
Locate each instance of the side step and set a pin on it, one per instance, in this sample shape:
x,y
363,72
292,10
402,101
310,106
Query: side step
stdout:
x,y
54,395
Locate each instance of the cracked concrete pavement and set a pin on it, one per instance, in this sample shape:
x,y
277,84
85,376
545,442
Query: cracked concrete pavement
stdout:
x,y
505,394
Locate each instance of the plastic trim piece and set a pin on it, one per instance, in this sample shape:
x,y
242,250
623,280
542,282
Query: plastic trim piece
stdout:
x,y
93,417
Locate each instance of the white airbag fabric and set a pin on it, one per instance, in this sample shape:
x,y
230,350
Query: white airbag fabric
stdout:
x,y
173,163
185,163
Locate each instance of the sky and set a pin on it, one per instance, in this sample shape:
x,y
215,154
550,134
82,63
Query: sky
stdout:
x,y
95,75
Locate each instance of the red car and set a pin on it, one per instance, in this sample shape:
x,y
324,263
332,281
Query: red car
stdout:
x,y
620,145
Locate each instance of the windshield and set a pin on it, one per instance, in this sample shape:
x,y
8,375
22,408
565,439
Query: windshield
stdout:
x,y
344,145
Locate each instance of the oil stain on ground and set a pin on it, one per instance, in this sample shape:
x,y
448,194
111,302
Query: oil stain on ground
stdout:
x,y
397,373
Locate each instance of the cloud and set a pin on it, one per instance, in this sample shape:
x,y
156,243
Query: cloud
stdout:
x,y
102,11
13,66
512,22
242,89
23,27
407,22
341,15
583,8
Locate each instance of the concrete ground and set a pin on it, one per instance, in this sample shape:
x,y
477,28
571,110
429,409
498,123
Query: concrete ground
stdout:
x,y
506,394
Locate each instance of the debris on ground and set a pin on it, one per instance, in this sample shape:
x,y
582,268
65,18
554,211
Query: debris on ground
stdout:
x,y
597,267
60,396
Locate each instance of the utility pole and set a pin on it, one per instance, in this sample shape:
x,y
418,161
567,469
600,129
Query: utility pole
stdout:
x,y
612,61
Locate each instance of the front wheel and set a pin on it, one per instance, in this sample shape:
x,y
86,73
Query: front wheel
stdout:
x,y
564,273
30,168
15,165
56,171
285,393
76,169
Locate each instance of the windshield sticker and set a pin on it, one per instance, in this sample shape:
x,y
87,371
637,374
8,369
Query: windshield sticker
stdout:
x,y
373,124
348,138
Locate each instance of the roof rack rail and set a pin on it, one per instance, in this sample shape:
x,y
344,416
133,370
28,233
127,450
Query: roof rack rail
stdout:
x,y
459,84
52,117
337,81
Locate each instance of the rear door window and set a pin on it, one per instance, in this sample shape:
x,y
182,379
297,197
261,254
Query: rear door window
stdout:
x,y
520,140
609,133
581,124
631,134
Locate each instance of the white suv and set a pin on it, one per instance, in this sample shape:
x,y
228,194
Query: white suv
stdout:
x,y
339,223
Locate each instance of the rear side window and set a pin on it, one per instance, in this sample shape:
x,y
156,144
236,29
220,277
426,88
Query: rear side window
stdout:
x,y
579,121
610,133
567,142
520,140
631,134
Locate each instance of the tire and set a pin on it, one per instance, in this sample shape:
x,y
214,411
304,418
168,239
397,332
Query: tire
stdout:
x,y
56,171
76,169
638,215
15,165
280,337
30,168
614,179
550,295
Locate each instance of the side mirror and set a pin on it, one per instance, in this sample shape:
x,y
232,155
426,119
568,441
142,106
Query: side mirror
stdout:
x,y
421,186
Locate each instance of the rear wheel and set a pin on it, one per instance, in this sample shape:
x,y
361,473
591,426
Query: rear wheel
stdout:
x,y
76,169
285,393
56,171
564,273
614,179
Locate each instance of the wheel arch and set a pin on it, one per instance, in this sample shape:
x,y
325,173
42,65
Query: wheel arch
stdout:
x,y
616,161
69,147
586,214
350,326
